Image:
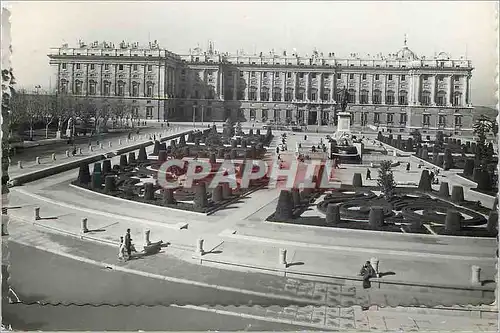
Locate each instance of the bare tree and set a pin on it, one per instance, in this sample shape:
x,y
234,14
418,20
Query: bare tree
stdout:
x,y
48,111
119,111
26,109
65,109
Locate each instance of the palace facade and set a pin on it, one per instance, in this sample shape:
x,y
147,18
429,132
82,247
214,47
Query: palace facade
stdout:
x,y
397,92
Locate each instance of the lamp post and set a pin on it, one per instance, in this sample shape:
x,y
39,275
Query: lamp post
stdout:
x,y
194,115
201,115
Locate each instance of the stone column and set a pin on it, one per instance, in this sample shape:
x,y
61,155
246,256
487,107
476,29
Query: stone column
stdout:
x,y
199,247
236,78
84,225
247,85
220,84
448,90
433,89
282,257
332,87
306,77
37,213
370,88
467,91
284,87
417,89
259,85
147,234
476,275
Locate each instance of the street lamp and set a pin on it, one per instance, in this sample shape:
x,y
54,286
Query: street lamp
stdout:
x,y
194,115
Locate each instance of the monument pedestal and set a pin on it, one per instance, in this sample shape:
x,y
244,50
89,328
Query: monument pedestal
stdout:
x,y
58,134
68,133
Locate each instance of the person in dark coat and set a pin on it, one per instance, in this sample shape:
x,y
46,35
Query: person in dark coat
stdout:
x,y
367,272
128,244
277,150
407,167
368,174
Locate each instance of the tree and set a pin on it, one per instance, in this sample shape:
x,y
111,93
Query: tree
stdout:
x,y
119,111
417,136
8,92
26,109
482,127
386,179
65,109
49,112
439,139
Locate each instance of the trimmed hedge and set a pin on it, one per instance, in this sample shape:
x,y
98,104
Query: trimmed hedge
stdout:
x,y
425,183
284,208
332,214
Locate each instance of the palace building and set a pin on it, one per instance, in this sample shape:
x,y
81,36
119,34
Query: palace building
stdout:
x,y
398,92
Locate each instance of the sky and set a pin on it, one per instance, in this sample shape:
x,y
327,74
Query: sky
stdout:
x,y
458,28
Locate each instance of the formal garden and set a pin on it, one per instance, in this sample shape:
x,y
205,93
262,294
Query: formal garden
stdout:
x,y
386,207
477,159
135,178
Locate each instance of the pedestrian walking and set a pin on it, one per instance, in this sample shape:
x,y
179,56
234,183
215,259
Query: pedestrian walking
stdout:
x,y
431,175
408,167
121,251
277,150
367,272
368,174
128,244
129,135
168,124
74,151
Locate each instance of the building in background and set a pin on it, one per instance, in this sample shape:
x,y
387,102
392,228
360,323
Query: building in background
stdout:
x,y
397,92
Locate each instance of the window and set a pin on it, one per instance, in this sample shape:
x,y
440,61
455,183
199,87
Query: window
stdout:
x,y
276,94
289,75
339,96
134,67
264,74
403,77
351,76
149,112
78,66
351,96
64,65
377,77
403,97
326,94
389,97
149,89
440,78
106,67
228,94
64,86
339,76
289,94
253,114
314,94
135,89
363,97
390,77
183,93
211,93
301,75
441,98
120,67
107,88
92,87
121,88
426,77
264,94
326,76
364,76
364,118
242,74
241,95
208,112
276,74
402,118
150,68
92,66
277,115
264,115
442,120
78,87
456,78
300,94
252,94
426,97
376,118
458,120
196,94
390,118
313,75
288,114
457,98
252,74
135,112
426,121
377,97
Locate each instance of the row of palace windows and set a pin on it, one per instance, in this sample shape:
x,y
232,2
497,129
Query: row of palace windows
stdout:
x,y
121,67
426,119
106,88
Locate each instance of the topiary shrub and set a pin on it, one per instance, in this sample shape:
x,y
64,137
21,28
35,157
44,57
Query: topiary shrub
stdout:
x,y
156,148
106,167
376,218
250,132
182,141
469,167
143,156
284,208
97,167
440,160
435,158
123,161
425,154
109,184
453,222
200,196
297,202
163,146
149,193
258,131
131,158
162,156
448,160
444,190
483,180
217,194
409,145
96,180
84,174
190,137
168,196
425,181
227,192
332,214
212,158
357,180
457,194
492,225
233,154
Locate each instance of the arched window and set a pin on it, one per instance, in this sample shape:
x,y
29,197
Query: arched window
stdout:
x,y
276,94
106,88
135,89
92,87
457,98
363,97
389,97
326,94
377,96
210,93
149,89
351,98
289,94
426,97
441,98
252,93
339,95
78,87
64,86
301,94
121,88
314,94
403,97
264,94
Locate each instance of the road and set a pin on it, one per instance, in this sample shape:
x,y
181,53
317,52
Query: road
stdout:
x,y
38,276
